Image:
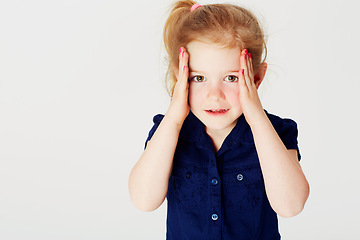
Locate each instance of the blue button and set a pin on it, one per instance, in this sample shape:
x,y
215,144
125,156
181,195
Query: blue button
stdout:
x,y
214,181
240,177
214,217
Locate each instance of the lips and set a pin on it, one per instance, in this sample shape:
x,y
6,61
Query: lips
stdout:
x,y
217,110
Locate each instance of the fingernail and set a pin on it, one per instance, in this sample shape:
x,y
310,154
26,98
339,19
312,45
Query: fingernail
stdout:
x,y
179,51
242,71
183,53
249,55
246,51
184,68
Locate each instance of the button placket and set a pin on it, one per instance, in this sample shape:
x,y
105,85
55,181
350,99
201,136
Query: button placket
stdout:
x,y
215,186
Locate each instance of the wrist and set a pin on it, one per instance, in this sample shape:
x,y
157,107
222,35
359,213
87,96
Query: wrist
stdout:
x,y
177,113
258,118
173,118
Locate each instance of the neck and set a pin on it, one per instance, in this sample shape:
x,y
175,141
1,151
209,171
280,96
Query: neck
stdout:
x,y
217,137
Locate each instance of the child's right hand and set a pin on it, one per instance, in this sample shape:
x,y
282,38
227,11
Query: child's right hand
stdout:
x,y
149,179
179,107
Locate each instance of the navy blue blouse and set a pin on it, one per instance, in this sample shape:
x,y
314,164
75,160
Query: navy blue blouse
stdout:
x,y
221,195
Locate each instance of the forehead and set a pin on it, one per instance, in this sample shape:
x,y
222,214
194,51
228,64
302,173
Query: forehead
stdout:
x,y
212,56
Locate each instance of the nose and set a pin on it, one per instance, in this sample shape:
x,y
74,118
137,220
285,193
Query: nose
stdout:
x,y
215,91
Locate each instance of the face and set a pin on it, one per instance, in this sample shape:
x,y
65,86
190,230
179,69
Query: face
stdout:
x,y
214,87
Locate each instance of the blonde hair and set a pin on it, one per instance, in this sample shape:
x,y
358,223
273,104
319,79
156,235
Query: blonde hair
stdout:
x,y
225,24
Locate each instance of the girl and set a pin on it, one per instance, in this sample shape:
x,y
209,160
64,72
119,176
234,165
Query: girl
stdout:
x,y
226,166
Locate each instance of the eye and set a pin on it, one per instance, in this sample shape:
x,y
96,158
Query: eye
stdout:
x,y
198,78
231,78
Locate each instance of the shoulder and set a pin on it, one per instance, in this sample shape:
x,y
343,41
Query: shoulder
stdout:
x,y
158,118
191,130
287,130
281,123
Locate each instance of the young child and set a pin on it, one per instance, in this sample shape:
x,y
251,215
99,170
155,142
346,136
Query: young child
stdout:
x,y
226,166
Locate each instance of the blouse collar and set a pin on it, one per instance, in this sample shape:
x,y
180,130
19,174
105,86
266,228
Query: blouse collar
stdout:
x,y
193,131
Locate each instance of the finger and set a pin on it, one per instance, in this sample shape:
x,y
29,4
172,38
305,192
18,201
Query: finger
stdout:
x,y
183,69
242,80
180,64
242,59
242,83
250,68
246,68
251,64
184,65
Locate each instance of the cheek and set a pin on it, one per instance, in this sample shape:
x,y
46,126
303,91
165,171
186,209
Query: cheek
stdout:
x,y
232,94
195,96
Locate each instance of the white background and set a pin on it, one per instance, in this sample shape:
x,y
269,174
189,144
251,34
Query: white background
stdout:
x,y
81,80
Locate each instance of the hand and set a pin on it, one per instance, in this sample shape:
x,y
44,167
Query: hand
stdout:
x,y
179,107
249,98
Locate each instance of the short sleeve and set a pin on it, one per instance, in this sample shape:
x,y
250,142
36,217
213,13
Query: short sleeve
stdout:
x,y
157,120
288,132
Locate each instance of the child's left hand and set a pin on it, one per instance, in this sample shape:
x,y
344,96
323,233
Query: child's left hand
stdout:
x,y
249,98
285,184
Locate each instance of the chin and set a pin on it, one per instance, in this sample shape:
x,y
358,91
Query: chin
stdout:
x,y
217,121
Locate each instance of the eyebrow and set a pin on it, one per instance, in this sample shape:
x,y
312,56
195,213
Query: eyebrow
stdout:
x,y
229,71
195,71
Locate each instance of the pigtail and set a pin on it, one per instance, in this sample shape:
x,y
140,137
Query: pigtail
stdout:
x,y
180,12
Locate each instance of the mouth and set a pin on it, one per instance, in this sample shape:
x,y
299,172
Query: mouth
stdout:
x,y
217,111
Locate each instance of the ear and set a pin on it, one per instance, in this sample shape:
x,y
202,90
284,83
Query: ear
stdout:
x,y
260,74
